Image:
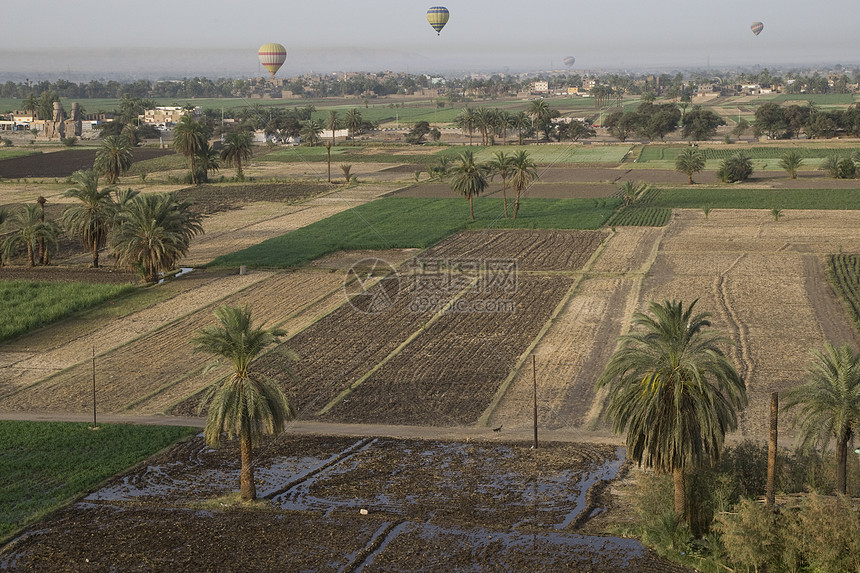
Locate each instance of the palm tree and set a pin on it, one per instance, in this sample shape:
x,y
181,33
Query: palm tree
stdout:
x,y
829,403
466,121
502,165
791,162
674,392
114,158
353,122
207,161
91,220
524,172
521,122
631,191
738,167
539,112
332,123
311,132
484,123
238,147
470,179
690,161
188,139
246,404
152,232
29,231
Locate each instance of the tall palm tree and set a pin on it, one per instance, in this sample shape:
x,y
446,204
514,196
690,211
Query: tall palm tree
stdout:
x,y
207,161
673,391
689,161
524,172
28,230
353,122
91,219
311,132
502,165
189,138
246,404
791,162
332,123
540,113
829,402
238,147
153,232
114,158
469,179
521,122
484,122
466,121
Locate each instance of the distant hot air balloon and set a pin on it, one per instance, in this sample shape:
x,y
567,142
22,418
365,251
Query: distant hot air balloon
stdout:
x,y
756,28
272,56
569,61
438,17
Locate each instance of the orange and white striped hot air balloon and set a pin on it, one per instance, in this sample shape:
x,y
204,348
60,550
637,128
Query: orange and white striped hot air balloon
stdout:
x,y
272,56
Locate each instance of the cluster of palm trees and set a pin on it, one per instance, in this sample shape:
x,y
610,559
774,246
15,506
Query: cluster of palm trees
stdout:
x,y
470,178
675,393
311,128
145,232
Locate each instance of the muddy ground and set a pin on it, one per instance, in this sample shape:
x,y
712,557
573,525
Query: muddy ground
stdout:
x,y
430,506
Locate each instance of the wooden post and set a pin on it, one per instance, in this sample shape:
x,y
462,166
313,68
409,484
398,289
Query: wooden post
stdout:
x,y
534,384
770,491
95,425
328,150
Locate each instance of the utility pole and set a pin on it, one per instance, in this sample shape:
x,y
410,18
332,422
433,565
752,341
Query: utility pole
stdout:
x,y
328,150
534,385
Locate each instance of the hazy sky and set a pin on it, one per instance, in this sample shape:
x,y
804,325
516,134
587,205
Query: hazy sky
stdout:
x,y
216,37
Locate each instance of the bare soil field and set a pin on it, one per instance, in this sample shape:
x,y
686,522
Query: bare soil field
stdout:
x,y
64,163
532,250
449,374
430,506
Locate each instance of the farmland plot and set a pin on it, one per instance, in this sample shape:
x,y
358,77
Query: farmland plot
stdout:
x,y
765,285
450,372
155,362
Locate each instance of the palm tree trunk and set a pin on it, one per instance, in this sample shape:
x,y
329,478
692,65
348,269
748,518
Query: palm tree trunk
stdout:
x,y
517,204
95,253
505,198
31,260
680,495
471,208
247,489
690,178
841,465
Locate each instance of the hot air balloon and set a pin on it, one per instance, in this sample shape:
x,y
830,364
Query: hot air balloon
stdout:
x,y
756,28
569,61
438,17
272,56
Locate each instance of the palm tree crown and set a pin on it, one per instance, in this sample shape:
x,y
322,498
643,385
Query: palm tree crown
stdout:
x,y
673,390
246,404
237,148
189,138
829,403
524,172
688,162
28,231
92,218
470,179
114,158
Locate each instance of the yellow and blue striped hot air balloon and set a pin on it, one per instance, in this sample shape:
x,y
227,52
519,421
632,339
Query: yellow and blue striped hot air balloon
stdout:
x,y
438,17
272,56
756,28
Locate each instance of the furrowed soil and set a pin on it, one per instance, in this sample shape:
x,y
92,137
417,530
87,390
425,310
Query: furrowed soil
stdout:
x,y
430,506
64,163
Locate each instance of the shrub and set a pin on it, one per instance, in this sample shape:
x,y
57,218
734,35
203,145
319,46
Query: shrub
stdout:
x,y
70,141
736,168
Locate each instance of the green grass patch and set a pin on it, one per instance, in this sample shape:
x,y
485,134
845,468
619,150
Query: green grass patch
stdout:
x,y
651,153
28,305
817,99
413,222
349,154
844,272
46,464
12,152
555,154
739,198
156,164
634,216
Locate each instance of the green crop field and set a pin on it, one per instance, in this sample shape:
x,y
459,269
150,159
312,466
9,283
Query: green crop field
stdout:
x,y
563,153
156,164
721,198
635,216
665,153
359,154
409,222
28,305
844,272
44,465
11,152
817,99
